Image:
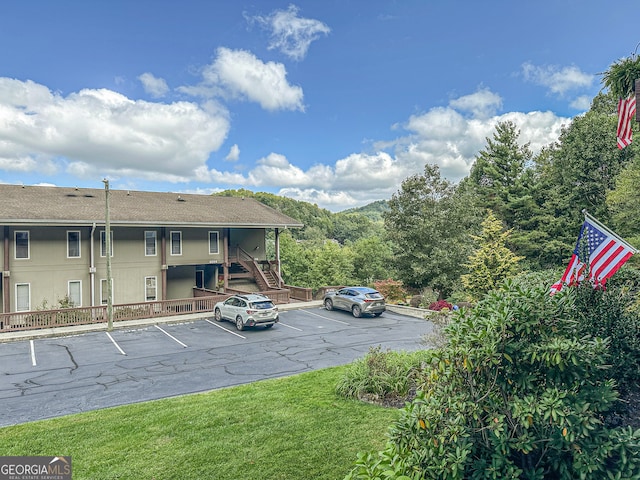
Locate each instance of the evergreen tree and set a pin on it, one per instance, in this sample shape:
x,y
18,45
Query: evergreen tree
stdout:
x,y
492,262
429,226
497,173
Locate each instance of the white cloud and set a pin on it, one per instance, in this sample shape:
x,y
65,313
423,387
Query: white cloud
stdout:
x,y
558,80
481,104
240,74
234,153
103,131
330,200
444,136
154,86
291,34
582,103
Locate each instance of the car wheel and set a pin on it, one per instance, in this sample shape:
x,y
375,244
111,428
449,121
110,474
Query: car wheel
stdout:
x,y
269,326
356,311
328,304
218,315
239,323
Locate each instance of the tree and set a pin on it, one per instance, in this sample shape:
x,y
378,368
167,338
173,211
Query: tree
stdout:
x,y
429,227
497,172
515,394
623,203
574,174
491,262
331,264
294,260
372,260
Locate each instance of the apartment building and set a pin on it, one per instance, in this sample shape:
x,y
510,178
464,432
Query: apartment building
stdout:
x,y
162,245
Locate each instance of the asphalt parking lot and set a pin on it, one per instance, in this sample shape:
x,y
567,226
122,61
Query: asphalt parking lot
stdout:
x,y
53,376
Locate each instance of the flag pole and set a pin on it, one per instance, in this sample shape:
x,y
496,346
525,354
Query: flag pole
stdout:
x,y
589,217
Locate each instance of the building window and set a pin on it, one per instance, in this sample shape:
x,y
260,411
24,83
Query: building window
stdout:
x,y
176,243
150,243
150,288
73,244
75,293
104,294
213,243
23,297
103,243
22,244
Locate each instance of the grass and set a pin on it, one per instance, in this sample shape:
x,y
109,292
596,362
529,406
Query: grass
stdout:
x,y
284,429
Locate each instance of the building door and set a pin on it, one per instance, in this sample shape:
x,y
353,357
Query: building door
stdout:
x,y
199,278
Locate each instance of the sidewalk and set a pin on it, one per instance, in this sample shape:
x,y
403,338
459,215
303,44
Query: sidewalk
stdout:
x,y
142,322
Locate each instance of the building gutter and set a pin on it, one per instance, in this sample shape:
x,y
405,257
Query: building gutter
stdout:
x,y
92,267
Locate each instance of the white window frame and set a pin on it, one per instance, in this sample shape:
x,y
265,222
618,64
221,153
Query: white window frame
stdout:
x,y
103,243
155,287
172,243
154,235
103,283
215,251
28,309
79,283
15,245
79,244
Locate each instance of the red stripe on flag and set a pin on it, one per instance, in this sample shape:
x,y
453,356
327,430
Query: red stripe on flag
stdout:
x,y
626,112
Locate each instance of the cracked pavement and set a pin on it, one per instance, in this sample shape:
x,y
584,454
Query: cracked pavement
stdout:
x,y
50,377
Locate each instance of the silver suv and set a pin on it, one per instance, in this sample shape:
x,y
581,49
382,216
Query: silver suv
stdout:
x,y
247,310
357,300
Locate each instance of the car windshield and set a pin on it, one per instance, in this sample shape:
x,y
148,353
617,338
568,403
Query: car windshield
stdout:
x,y
263,305
373,295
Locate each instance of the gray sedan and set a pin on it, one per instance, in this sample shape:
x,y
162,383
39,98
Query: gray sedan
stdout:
x,y
357,300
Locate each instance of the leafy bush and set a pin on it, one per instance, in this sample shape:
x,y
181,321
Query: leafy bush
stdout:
x,y
439,305
392,290
513,394
381,374
609,314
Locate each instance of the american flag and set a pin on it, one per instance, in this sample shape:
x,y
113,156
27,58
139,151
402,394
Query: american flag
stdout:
x,y
626,112
605,252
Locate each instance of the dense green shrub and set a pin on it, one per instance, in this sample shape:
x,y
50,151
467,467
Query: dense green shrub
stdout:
x,y
610,314
514,394
381,373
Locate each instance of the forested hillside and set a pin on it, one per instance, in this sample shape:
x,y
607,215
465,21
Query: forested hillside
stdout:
x,y
430,232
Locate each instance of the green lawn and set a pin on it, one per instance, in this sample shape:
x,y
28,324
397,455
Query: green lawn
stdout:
x,y
290,428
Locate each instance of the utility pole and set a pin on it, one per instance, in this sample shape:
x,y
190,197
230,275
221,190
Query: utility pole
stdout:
x,y
107,237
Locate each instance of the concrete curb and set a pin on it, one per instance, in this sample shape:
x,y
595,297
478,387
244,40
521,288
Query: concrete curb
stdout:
x,y
410,311
142,322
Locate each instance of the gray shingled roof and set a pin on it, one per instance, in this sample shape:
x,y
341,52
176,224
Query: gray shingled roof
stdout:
x,y
22,205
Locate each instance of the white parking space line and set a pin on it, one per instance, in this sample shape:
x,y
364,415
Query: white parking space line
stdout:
x,y
115,343
225,329
33,353
326,318
170,336
289,326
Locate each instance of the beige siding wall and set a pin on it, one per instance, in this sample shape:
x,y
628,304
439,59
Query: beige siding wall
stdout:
x,y
180,281
49,269
195,246
250,240
129,264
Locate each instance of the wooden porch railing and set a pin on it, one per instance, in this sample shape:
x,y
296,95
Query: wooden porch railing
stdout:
x,y
203,301
88,315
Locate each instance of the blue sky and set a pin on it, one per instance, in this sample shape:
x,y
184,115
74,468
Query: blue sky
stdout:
x,y
334,102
